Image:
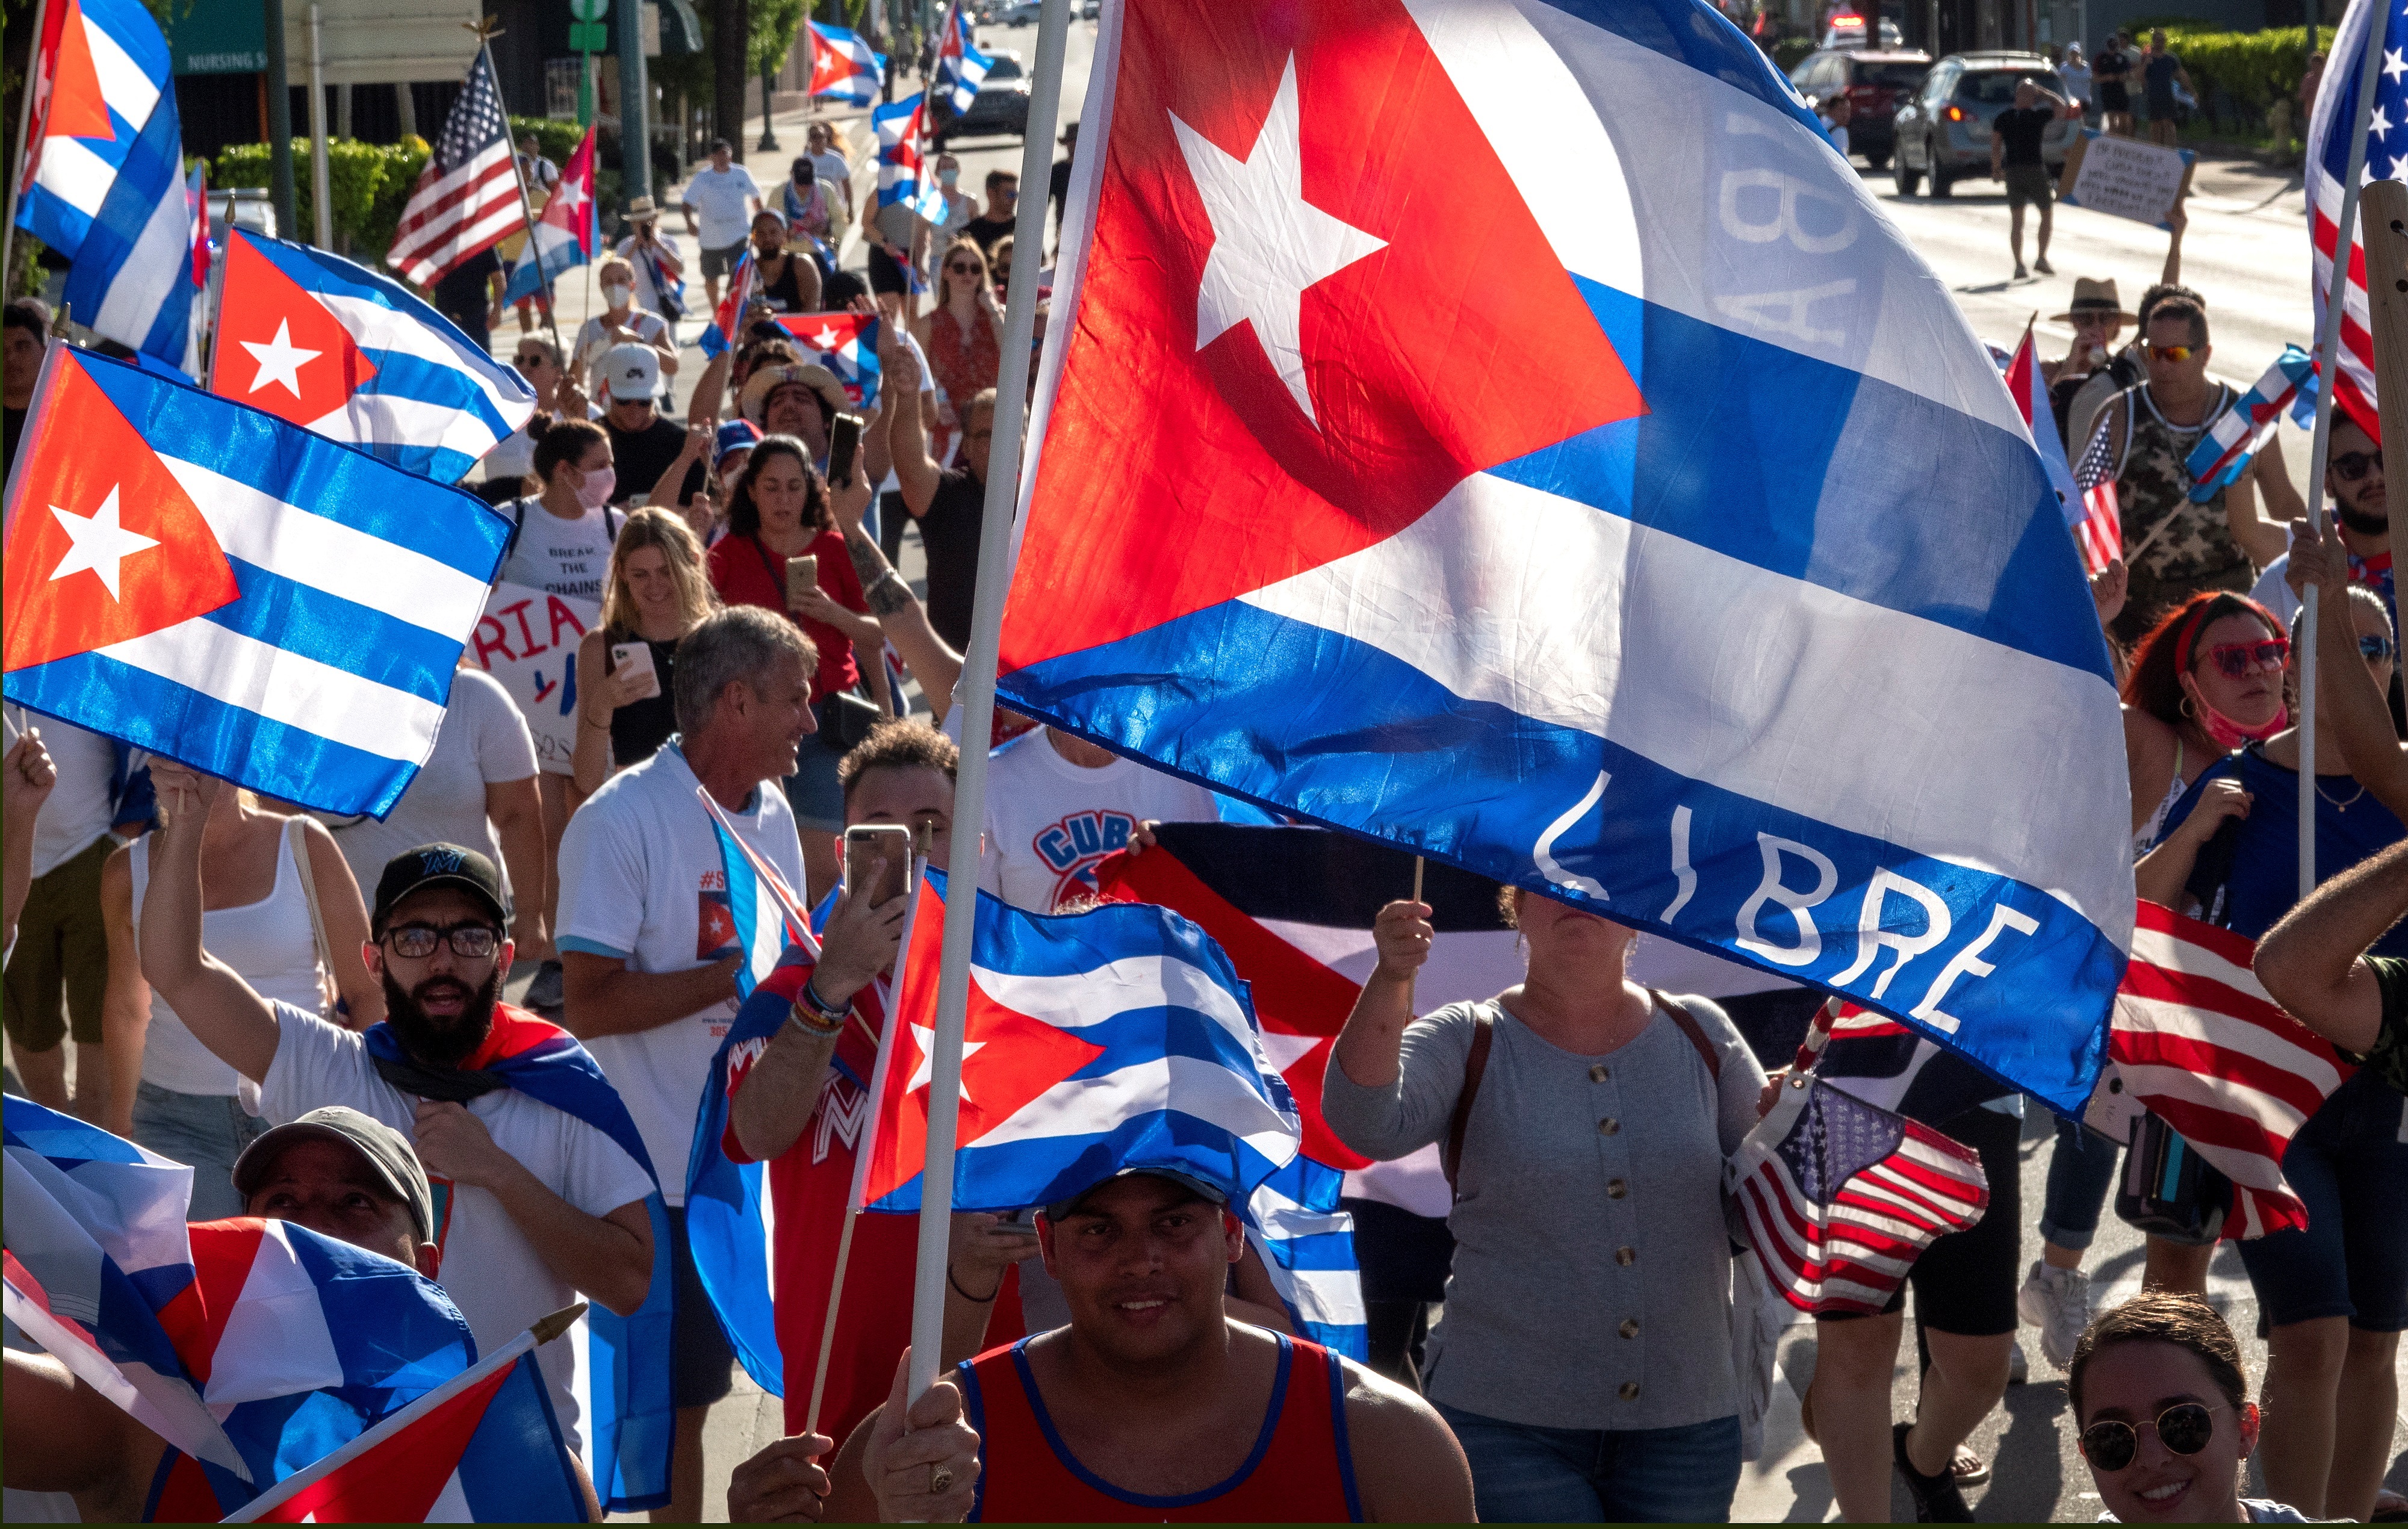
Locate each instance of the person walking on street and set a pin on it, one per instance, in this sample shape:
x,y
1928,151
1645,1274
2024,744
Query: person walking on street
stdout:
x,y
660,268
724,196
2112,73
2167,83
2075,72
2015,158
2097,319
658,591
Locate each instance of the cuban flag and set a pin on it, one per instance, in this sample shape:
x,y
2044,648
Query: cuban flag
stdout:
x,y
623,1363
196,196
900,128
251,1347
1115,1038
2241,432
845,343
482,1447
335,348
2029,389
567,232
743,285
208,583
961,68
104,174
1723,591
844,67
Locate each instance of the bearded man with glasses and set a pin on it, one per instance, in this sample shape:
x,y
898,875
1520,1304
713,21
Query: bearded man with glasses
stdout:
x,y
534,1207
2354,486
2175,546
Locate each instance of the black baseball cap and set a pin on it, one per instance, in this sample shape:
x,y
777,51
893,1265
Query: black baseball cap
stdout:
x,y
438,866
1202,1189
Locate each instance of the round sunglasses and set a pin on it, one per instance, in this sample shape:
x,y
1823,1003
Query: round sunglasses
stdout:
x,y
2185,1428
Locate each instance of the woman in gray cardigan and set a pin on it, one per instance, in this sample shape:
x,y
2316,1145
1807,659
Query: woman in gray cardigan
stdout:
x,y
1583,1360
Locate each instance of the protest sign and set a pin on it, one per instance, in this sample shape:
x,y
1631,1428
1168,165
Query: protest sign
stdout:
x,y
2125,178
527,640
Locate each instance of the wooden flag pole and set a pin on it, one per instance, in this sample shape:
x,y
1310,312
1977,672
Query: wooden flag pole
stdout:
x,y
2378,23
977,695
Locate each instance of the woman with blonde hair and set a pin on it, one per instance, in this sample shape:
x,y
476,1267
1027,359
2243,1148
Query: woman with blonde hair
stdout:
x,y
657,591
963,335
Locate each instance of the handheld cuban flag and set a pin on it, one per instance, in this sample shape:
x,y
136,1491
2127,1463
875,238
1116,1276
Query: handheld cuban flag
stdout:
x,y
743,285
2241,432
843,66
482,1447
900,128
205,581
1842,1197
2198,1041
1116,1038
251,1347
104,174
623,1363
961,68
354,356
2029,389
567,232
845,343
1562,625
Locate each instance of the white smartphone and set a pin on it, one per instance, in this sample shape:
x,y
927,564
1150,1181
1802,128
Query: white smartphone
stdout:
x,y
638,657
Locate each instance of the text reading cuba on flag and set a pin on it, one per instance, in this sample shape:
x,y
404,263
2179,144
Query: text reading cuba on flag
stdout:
x,y
207,581
1694,567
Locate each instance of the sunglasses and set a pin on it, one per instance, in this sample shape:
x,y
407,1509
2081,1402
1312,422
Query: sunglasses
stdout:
x,y
2185,1428
2352,465
2170,352
962,268
535,358
2237,660
2375,649
417,941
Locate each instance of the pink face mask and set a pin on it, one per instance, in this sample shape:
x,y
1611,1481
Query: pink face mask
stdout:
x,y
595,491
2230,734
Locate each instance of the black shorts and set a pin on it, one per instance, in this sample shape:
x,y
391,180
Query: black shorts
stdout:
x,y
886,273
702,1362
2112,97
717,264
1965,1282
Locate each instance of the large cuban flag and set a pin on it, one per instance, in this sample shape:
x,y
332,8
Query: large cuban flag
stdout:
x,y
104,176
210,582
316,339
1692,564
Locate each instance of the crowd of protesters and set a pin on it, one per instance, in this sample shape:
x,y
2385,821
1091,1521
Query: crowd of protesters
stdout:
x,y
298,1007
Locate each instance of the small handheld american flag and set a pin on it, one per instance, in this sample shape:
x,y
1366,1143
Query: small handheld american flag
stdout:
x,y
466,199
1841,1198
2099,536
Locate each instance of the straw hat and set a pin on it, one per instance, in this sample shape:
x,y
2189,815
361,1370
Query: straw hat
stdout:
x,y
765,381
2094,298
640,211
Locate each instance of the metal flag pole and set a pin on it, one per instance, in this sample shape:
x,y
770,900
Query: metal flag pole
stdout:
x,y
2378,25
321,195
27,161
977,693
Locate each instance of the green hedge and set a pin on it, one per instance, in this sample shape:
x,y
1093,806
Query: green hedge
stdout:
x,y
558,139
1789,52
2240,75
368,182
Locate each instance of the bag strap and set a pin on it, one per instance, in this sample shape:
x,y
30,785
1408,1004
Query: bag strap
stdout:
x,y
1689,1027
296,843
761,551
1484,1036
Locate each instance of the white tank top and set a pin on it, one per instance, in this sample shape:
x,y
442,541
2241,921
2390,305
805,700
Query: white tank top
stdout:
x,y
268,942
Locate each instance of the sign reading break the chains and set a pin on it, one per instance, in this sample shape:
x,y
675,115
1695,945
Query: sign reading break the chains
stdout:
x,y
2125,178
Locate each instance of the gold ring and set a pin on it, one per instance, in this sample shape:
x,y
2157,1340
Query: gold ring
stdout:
x,y
940,1480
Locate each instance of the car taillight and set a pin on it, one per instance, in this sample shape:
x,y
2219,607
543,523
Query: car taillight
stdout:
x,y
1954,113
1865,94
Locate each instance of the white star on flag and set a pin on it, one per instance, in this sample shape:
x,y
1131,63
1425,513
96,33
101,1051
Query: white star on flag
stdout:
x,y
279,360
571,195
100,542
926,1038
1268,243
2393,64
2377,123
826,338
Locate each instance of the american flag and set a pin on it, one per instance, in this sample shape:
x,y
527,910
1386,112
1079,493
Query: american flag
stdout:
x,y
2197,1040
2099,536
1888,1065
1841,1198
2330,125
467,198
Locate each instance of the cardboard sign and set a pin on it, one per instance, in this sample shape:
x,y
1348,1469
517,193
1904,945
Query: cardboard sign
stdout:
x,y
527,640
2125,178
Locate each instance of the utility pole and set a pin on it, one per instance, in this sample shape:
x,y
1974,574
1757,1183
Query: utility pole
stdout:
x,y
279,121
634,98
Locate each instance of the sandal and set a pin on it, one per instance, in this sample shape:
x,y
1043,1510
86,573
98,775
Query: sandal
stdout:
x,y
1968,1468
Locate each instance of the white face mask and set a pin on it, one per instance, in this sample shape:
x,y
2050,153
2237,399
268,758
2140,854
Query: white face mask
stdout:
x,y
617,292
595,491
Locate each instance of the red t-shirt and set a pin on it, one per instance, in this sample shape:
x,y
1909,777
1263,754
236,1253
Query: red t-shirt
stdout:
x,y
746,573
808,1187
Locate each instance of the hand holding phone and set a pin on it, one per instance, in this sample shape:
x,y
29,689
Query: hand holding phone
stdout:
x,y
631,665
802,574
863,847
844,444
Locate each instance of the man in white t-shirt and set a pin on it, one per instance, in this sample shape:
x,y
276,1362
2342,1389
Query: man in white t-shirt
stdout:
x,y
724,196
534,1207
1057,805
646,934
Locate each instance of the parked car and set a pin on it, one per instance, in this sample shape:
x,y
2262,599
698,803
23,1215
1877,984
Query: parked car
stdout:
x,y
1875,84
1022,14
1848,30
1001,107
1943,130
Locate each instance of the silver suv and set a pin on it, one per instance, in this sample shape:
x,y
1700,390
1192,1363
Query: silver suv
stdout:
x,y
1943,130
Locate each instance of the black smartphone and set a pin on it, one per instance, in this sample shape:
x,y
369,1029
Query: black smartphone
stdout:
x,y
844,444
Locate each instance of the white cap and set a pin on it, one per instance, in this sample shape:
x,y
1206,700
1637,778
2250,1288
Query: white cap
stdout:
x,y
631,371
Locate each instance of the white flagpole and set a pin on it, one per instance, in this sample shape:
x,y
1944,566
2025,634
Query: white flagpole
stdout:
x,y
2378,25
976,694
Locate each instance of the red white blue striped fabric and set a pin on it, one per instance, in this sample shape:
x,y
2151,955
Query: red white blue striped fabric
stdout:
x,y
2099,538
2199,1042
2330,122
2241,432
961,68
844,67
466,199
1840,1197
